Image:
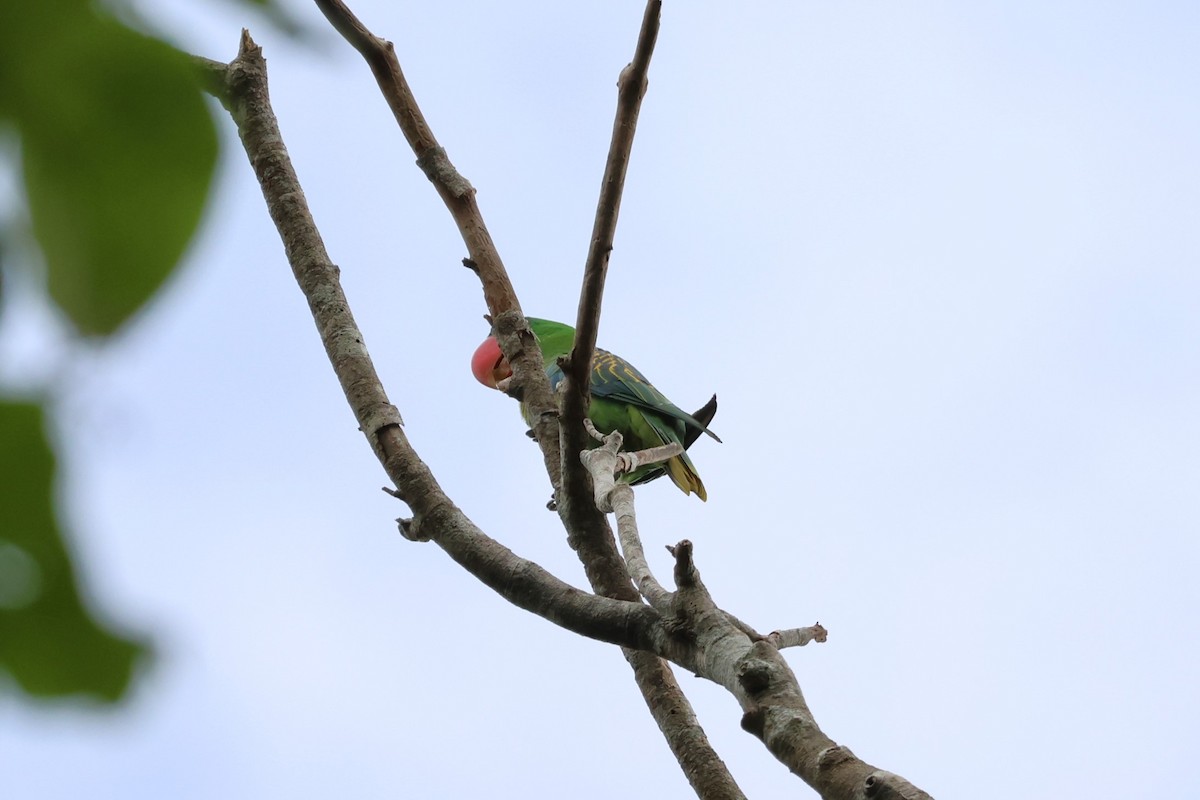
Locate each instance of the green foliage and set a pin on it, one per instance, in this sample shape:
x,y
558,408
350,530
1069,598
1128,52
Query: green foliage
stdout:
x,y
49,643
118,152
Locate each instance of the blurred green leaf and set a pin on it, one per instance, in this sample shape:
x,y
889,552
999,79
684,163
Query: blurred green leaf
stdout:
x,y
119,150
49,642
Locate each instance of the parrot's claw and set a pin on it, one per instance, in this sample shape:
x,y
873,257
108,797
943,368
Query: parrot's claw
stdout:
x,y
591,429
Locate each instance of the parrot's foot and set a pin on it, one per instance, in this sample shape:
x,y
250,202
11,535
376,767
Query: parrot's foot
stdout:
x,y
598,436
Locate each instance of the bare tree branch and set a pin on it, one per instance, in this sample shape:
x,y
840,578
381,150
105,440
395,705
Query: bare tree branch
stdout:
x,y
589,536
631,546
704,769
588,531
722,648
695,633
436,518
516,342
631,88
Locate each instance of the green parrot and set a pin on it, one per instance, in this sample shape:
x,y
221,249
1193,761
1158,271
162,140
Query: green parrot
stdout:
x,y
622,399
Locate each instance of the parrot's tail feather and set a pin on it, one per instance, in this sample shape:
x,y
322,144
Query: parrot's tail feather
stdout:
x,y
683,475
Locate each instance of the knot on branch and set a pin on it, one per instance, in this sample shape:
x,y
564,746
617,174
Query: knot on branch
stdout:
x,y
754,722
757,669
628,75
379,418
833,757
437,167
411,529
884,785
509,388
514,337
567,365
508,323
754,676
679,623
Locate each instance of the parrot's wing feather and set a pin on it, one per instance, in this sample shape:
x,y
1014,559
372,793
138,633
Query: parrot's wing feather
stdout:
x,y
616,379
622,398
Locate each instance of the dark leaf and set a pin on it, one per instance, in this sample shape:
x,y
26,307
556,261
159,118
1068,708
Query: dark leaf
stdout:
x,y
50,643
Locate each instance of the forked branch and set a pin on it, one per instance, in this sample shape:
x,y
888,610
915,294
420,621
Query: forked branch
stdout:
x,y
243,87
720,647
695,633
605,464
587,529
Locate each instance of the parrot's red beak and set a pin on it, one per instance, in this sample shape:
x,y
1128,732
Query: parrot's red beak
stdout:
x,y
488,364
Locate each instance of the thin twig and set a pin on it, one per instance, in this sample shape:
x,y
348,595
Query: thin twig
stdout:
x,y
631,87
211,75
635,554
798,637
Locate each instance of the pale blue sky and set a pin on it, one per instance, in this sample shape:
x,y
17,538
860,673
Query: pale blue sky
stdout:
x,y
941,265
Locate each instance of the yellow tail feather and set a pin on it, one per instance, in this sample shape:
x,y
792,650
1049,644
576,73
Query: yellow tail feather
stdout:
x,y
685,478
